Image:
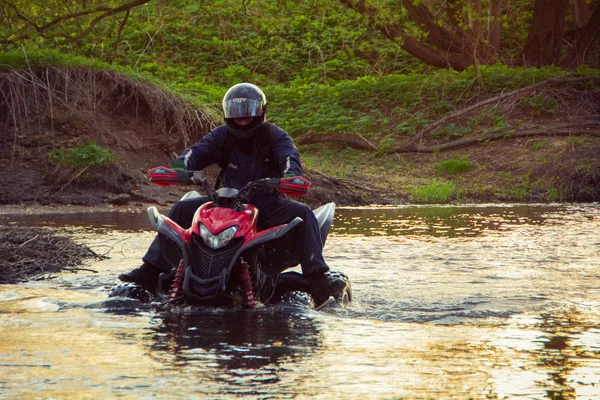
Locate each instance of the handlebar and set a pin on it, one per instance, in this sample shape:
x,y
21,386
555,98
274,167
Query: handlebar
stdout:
x,y
291,186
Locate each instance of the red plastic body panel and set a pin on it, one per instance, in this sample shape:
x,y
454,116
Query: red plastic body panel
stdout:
x,y
217,219
185,234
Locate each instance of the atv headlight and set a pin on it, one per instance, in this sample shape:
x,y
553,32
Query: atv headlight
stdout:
x,y
219,240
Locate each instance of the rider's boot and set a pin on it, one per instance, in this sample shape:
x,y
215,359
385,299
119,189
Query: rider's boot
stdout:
x,y
323,284
145,276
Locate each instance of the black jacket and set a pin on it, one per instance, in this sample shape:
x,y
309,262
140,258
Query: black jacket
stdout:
x,y
245,163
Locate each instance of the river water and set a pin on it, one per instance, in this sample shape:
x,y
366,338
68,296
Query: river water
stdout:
x,y
449,302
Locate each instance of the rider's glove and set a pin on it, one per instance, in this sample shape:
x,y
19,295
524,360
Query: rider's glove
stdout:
x,y
178,165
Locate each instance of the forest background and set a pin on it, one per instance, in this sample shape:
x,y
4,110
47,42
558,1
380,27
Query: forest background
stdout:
x,y
388,101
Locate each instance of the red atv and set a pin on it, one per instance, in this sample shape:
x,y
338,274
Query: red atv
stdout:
x,y
223,259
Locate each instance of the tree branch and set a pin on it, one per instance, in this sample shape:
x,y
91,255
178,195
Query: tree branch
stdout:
x,y
432,56
104,12
353,141
588,128
417,138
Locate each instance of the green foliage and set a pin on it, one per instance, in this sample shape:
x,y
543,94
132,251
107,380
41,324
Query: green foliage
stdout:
x,y
453,166
573,141
540,104
89,156
383,109
556,194
521,190
322,65
585,166
540,144
51,23
397,104
435,192
452,130
267,42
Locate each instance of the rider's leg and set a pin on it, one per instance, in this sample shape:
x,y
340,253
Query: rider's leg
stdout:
x,y
182,213
155,259
282,210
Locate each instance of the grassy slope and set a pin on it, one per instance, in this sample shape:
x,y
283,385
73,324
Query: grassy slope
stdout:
x,y
390,109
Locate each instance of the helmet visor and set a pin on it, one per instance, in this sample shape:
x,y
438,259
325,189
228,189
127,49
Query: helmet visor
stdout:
x,y
243,107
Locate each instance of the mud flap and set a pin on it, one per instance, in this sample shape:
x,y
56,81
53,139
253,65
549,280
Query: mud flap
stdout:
x,y
324,215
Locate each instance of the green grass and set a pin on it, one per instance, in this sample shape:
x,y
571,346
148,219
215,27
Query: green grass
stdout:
x,y
453,166
435,192
573,140
540,144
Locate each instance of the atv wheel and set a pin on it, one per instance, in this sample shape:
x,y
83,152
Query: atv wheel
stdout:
x,y
302,299
131,292
344,296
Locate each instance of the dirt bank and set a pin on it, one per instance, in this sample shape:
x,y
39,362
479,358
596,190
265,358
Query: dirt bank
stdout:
x,y
142,125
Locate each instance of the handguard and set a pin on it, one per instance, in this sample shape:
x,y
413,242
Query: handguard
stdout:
x,y
293,186
163,176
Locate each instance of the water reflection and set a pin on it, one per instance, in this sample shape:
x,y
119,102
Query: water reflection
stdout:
x,y
559,355
89,221
235,348
437,221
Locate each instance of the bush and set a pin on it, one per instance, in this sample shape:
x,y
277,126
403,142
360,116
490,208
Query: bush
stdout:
x,y
81,157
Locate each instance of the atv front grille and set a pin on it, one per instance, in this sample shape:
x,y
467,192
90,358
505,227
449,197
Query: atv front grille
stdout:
x,y
209,263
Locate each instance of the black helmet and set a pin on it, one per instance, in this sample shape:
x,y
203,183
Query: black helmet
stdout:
x,y
244,100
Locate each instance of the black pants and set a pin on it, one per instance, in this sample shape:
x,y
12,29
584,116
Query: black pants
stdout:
x,y
272,211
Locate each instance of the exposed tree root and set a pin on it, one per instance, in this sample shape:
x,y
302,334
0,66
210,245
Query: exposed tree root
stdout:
x,y
345,183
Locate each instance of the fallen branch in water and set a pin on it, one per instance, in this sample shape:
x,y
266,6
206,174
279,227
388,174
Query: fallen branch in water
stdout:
x,y
27,252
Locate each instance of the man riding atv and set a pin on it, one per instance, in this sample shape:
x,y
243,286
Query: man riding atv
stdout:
x,y
247,148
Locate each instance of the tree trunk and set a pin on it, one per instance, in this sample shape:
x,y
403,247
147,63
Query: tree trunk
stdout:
x,y
438,36
582,13
428,55
586,38
546,32
494,24
450,57
474,11
470,47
